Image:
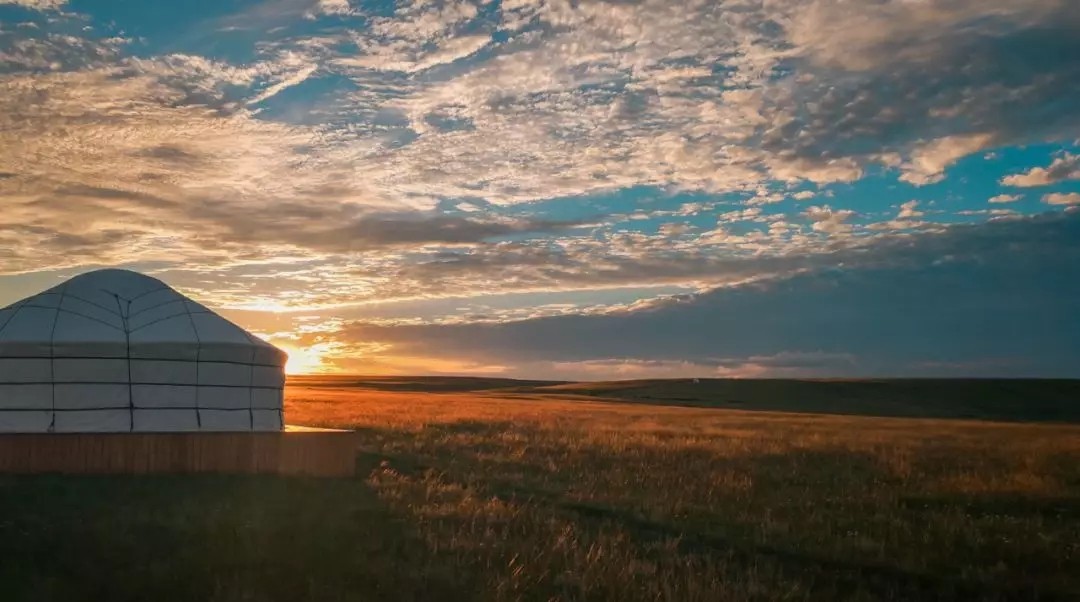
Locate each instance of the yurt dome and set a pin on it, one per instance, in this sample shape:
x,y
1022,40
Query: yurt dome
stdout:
x,y
117,351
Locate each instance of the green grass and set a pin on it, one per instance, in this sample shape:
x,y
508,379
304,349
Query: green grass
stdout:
x,y
527,496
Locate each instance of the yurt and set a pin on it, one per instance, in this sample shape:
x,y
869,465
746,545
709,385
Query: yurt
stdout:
x,y
116,351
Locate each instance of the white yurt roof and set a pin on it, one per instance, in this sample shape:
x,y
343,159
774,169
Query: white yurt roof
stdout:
x,y
100,313
117,350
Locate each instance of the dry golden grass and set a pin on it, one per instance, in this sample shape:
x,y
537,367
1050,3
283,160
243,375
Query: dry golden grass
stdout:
x,y
480,493
530,496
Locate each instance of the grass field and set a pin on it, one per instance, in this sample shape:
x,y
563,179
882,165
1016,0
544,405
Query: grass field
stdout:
x,y
495,490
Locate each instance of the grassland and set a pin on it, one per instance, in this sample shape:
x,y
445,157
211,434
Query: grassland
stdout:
x,y
541,491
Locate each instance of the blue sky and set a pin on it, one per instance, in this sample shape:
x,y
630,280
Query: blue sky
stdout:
x,y
565,189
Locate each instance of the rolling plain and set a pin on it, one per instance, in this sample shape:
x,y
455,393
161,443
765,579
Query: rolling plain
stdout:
x,y
489,489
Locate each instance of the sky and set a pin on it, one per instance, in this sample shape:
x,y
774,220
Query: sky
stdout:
x,y
565,189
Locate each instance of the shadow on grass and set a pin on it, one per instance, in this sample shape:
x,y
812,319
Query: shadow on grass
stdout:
x,y
209,538
1022,400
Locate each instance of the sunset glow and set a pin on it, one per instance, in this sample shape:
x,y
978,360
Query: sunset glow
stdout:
x,y
554,189
305,360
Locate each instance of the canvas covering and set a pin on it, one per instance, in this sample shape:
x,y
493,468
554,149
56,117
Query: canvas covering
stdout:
x,y
114,350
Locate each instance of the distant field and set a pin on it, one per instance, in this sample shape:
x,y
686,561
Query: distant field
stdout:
x,y
501,490
987,399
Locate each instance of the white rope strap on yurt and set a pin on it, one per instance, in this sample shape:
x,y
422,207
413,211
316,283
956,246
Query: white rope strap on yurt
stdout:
x,y
251,385
89,302
198,366
127,346
255,342
52,359
14,311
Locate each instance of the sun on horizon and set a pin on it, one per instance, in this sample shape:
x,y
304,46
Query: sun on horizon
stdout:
x,y
304,360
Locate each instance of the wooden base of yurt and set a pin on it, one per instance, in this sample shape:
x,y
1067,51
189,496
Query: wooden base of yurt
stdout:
x,y
295,451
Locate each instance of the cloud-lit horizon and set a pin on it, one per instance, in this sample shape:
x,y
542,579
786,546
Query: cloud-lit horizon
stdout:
x,y
565,189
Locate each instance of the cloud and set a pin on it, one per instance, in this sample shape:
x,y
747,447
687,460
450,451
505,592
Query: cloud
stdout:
x,y
606,96
417,37
366,232
595,84
131,143
826,219
1005,198
1062,198
928,161
324,141
909,210
296,78
906,219
37,4
935,302
34,49
785,364
334,7
446,51
931,82
1064,167
994,213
